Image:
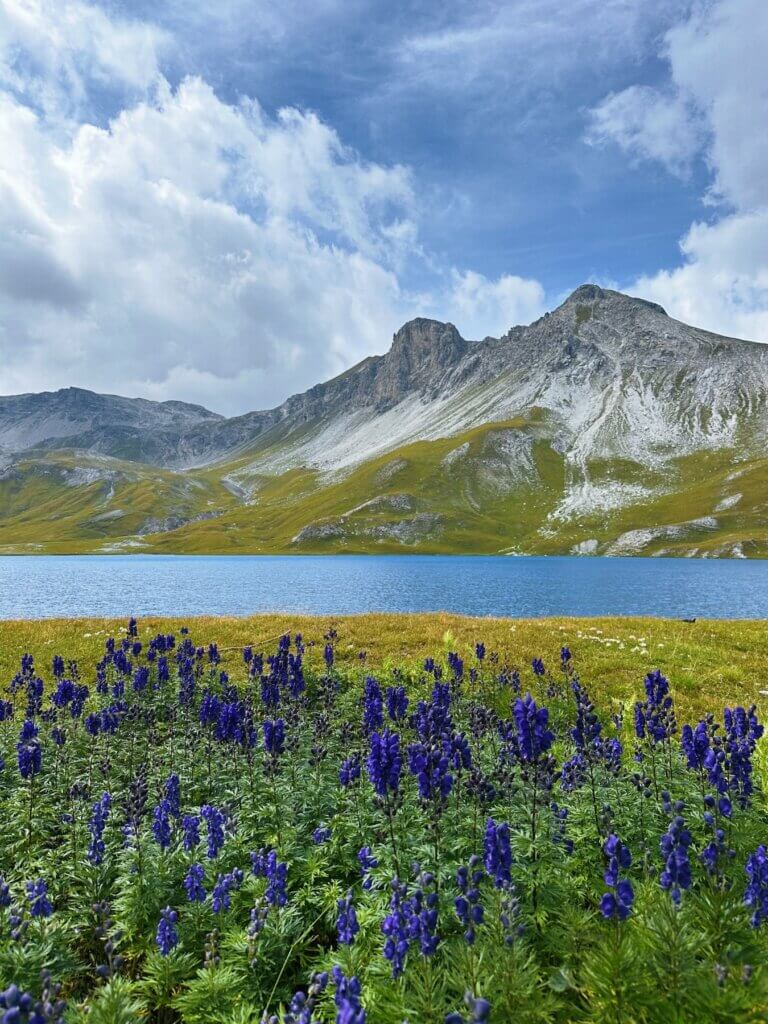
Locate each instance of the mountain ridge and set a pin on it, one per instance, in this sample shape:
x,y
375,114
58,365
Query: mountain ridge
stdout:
x,y
605,426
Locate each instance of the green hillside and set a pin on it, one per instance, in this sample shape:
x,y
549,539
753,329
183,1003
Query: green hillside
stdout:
x,y
464,493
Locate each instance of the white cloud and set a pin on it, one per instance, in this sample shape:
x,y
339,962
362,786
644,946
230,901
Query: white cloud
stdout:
x,y
529,42
716,101
646,123
723,283
480,307
53,51
193,249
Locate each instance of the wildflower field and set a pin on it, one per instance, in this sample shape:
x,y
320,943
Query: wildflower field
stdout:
x,y
434,820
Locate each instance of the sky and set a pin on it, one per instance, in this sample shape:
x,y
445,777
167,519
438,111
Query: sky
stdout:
x,y
227,203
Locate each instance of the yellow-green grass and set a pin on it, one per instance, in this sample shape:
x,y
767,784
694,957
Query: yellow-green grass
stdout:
x,y
710,663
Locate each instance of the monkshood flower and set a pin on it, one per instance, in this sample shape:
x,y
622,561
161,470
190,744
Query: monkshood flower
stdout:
x,y
431,767
79,697
677,866
28,750
172,794
346,923
63,693
349,1009
538,667
756,893
5,893
193,883
397,703
140,679
210,706
37,896
367,862
274,737
716,851
385,763
469,909
6,710
480,651
133,627
432,719
167,937
161,824
456,665
110,718
481,788
270,687
265,864
222,890
303,1004
34,688
422,910
531,737
479,1010
229,727
350,769
655,717
460,752
559,821
586,733
373,706
97,825
214,821
321,835
618,902
328,656
498,852
395,927
742,731
22,1008
574,773
696,744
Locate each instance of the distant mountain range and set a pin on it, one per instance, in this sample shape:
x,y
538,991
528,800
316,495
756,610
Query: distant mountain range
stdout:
x,y
605,427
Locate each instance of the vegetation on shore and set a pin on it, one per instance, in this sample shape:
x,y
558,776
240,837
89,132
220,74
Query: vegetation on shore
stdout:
x,y
383,819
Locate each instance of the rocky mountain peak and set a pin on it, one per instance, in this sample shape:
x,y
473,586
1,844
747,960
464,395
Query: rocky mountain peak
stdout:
x,y
593,294
427,343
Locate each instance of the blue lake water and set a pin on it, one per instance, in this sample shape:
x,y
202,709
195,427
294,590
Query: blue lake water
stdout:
x,y
42,586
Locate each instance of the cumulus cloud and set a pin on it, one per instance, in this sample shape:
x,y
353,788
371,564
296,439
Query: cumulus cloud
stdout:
x,y
648,124
479,306
715,103
53,52
192,242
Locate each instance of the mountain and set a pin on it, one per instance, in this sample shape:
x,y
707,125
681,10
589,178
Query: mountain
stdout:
x,y
606,426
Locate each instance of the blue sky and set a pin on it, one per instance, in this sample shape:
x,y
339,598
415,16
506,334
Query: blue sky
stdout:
x,y
227,203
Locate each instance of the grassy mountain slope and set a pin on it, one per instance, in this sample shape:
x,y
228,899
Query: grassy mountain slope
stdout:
x,y
494,489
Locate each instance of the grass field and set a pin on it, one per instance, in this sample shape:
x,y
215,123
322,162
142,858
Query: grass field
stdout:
x,y
710,663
